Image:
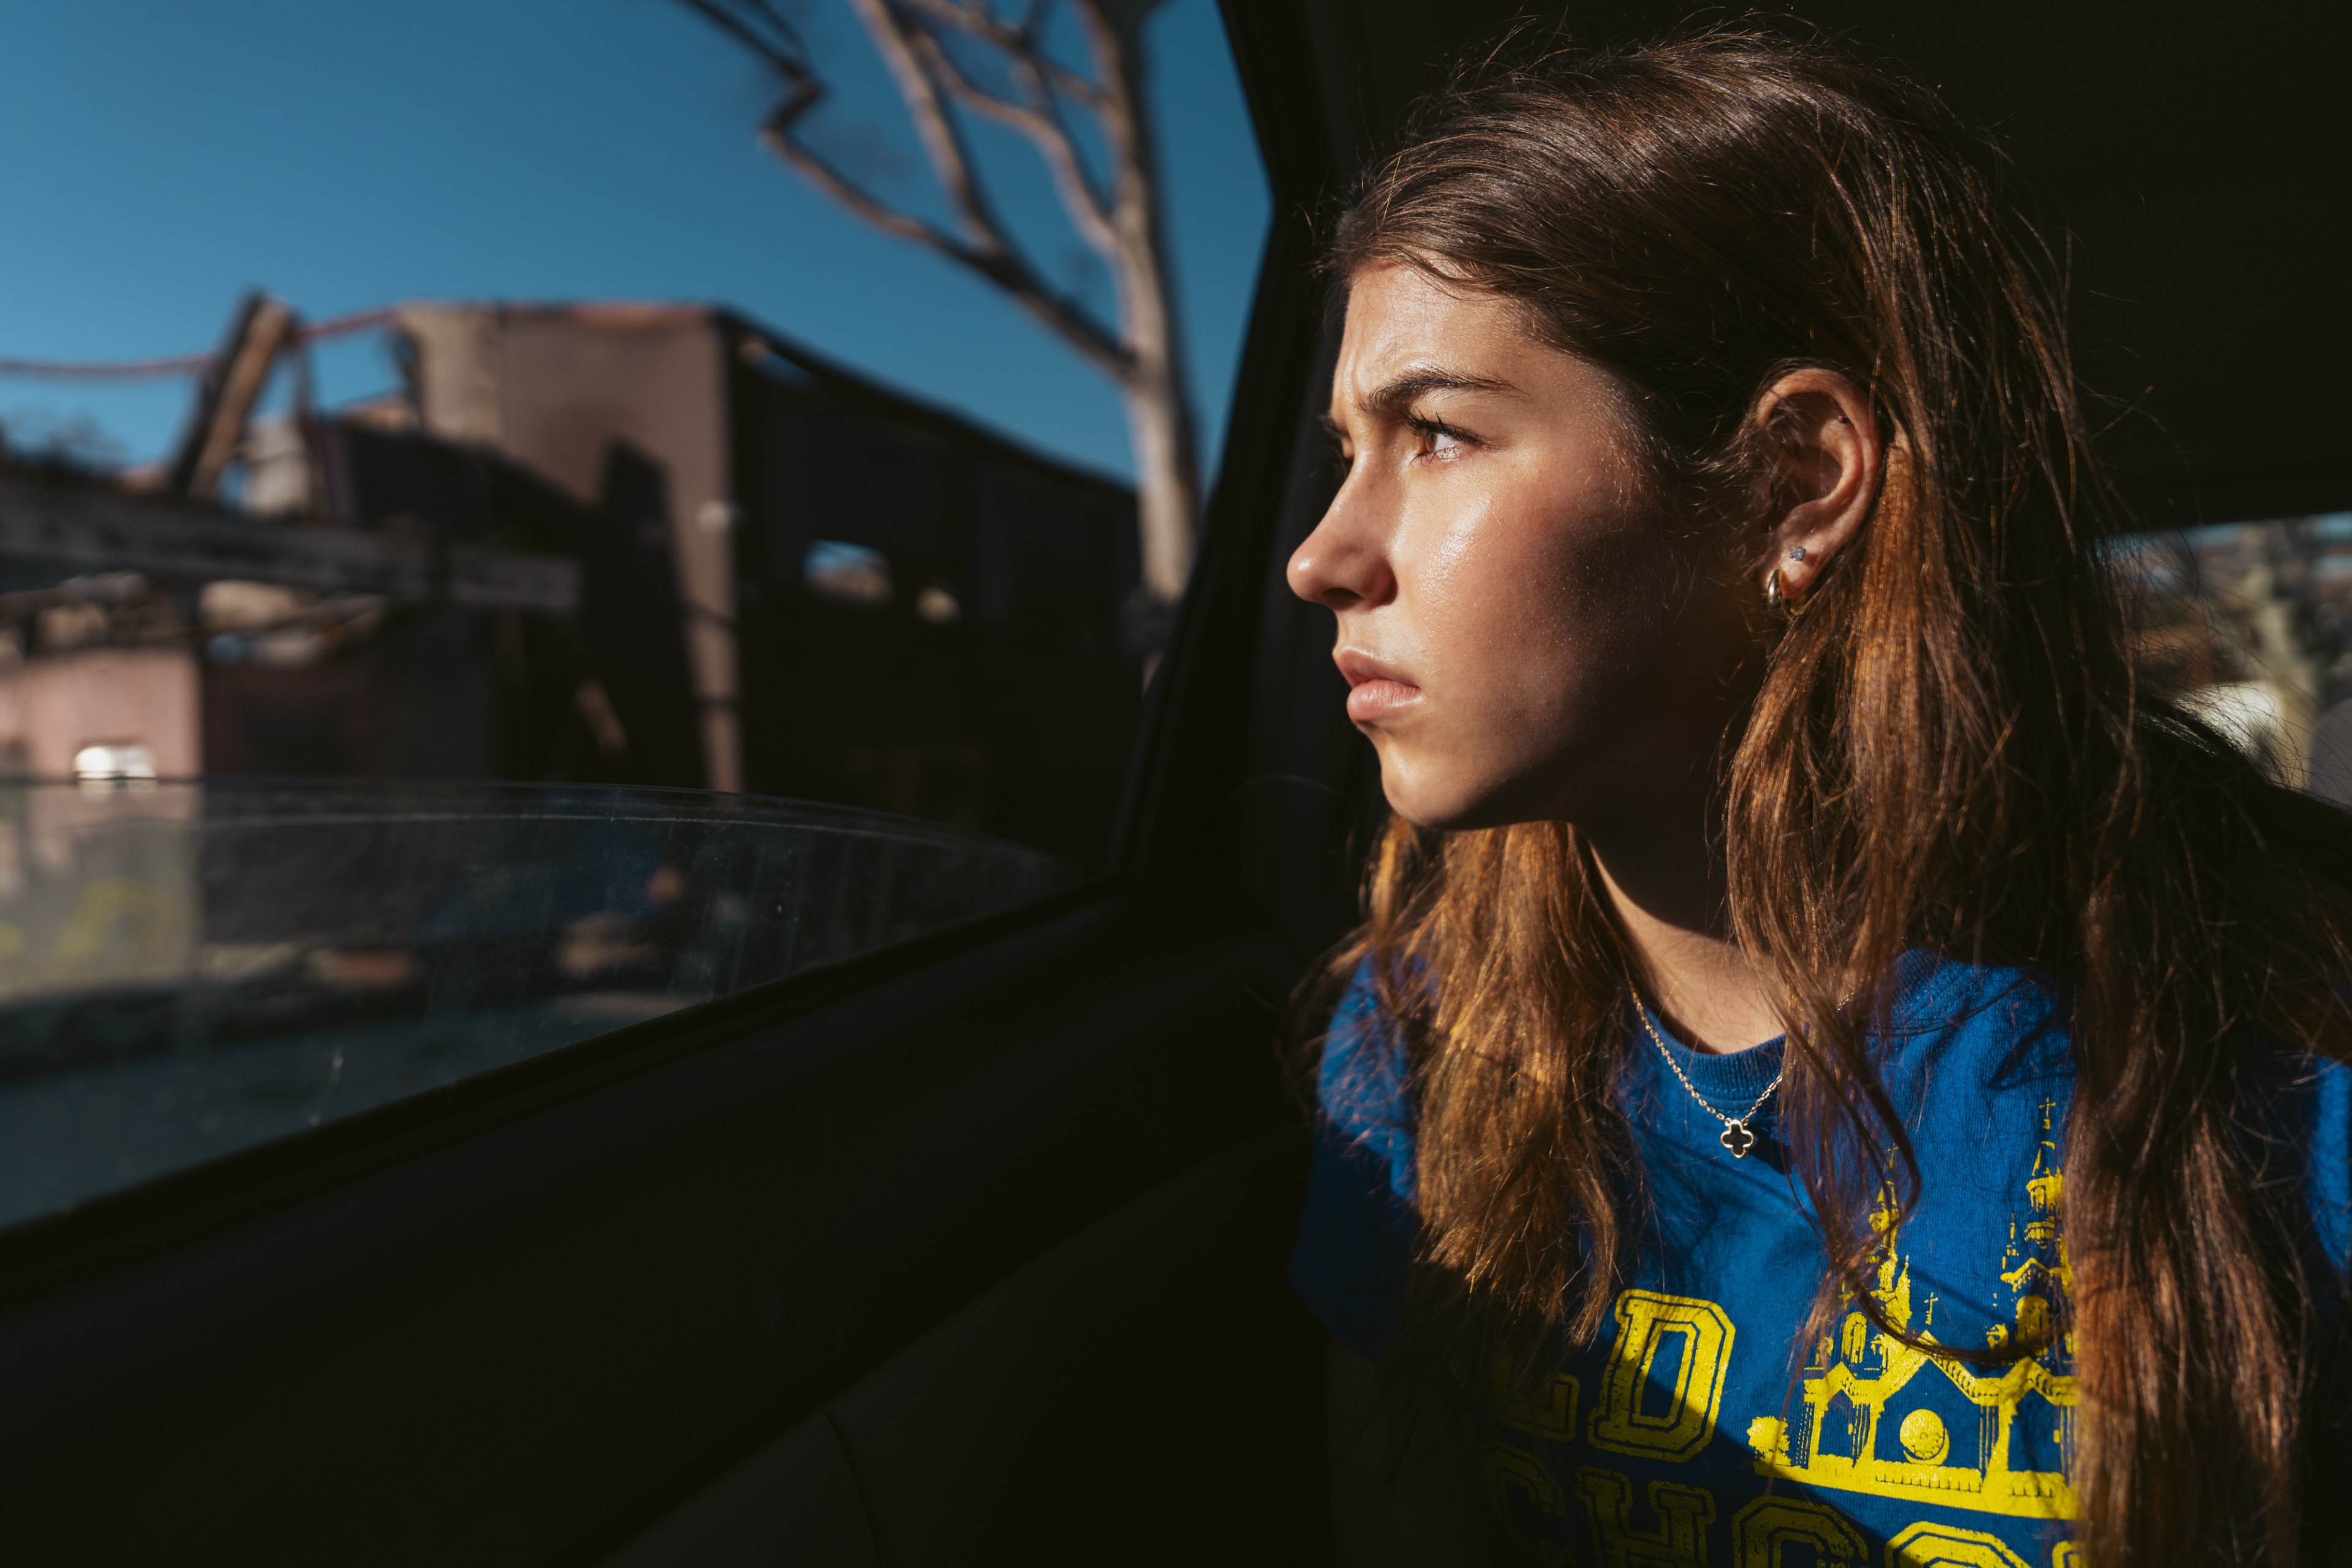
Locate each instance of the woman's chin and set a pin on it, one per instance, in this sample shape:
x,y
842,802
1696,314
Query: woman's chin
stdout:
x,y
1428,799
1440,795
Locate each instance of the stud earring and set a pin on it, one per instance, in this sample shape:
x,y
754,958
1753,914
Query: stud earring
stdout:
x,y
1797,552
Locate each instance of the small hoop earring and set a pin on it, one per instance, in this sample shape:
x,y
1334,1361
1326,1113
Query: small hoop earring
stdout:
x,y
1775,599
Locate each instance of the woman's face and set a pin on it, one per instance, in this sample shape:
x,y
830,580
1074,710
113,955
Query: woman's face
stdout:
x,y
1528,633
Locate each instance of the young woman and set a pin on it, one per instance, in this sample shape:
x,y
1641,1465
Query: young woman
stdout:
x,y
1834,1065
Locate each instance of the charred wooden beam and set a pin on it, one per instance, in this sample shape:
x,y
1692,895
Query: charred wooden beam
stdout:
x,y
262,328
94,530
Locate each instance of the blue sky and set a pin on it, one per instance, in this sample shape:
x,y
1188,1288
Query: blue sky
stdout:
x,y
163,157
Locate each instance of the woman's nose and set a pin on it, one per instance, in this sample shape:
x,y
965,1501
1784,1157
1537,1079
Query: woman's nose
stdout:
x,y
1344,563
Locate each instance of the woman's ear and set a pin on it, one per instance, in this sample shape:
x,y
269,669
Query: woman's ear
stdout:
x,y
1828,458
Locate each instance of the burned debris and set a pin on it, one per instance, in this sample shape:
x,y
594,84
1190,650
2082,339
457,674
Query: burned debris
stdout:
x,y
649,545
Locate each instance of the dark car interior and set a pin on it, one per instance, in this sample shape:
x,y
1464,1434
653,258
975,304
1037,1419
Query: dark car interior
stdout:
x,y
969,1247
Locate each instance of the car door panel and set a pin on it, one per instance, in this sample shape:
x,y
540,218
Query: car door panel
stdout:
x,y
1141,1392
796,1500
615,1285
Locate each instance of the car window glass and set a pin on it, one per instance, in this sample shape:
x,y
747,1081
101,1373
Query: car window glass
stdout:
x,y
187,970
516,399
620,448
2251,624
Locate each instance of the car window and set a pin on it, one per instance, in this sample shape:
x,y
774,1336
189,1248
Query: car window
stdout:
x,y
2250,624
646,422
186,970
783,566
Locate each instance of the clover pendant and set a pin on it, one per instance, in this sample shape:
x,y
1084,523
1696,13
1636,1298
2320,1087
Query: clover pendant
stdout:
x,y
1738,1138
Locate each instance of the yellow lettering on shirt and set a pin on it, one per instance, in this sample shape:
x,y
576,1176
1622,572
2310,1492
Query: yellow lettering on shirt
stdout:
x,y
1764,1530
1511,1469
1647,1324
1948,1546
1678,1539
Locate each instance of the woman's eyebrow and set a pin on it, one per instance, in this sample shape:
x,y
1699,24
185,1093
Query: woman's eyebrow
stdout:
x,y
1391,400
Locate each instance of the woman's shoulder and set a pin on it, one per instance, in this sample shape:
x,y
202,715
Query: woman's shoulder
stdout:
x,y
2010,1027
1363,1084
2326,1084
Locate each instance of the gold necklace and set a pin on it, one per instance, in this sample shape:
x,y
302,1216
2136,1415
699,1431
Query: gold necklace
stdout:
x,y
1735,1135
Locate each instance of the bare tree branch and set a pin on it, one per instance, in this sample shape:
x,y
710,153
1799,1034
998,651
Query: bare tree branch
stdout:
x,y
924,72
777,24
1039,122
1023,39
1160,411
1117,69
925,45
789,59
936,129
970,93
1057,311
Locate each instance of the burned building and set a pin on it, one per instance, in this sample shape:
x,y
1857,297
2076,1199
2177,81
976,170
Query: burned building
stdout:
x,y
637,544
880,604
145,636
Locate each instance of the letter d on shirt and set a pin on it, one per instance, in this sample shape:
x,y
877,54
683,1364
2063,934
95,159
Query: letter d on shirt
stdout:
x,y
1646,1321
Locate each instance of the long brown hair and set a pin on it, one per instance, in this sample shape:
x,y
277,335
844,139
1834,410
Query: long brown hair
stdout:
x,y
1949,751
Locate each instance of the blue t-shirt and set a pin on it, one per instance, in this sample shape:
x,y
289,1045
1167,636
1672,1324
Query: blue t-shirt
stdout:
x,y
1697,1429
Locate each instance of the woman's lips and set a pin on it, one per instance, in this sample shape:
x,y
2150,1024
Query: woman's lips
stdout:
x,y
1374,690
1380,699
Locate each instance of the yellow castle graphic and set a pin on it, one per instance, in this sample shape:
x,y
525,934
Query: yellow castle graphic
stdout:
x,y
1860,1381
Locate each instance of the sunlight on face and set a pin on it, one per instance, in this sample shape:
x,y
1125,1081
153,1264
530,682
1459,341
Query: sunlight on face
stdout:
x,y
1527,632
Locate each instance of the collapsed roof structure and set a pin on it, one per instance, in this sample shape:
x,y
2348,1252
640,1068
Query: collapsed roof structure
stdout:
x,y
639,543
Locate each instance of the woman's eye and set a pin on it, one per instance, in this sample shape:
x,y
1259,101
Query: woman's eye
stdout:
x,y
1434,440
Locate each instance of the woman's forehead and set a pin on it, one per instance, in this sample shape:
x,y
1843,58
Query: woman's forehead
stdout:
x,y
1409,334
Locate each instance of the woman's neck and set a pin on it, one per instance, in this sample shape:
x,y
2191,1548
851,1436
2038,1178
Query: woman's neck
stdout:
x,y
1670,902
